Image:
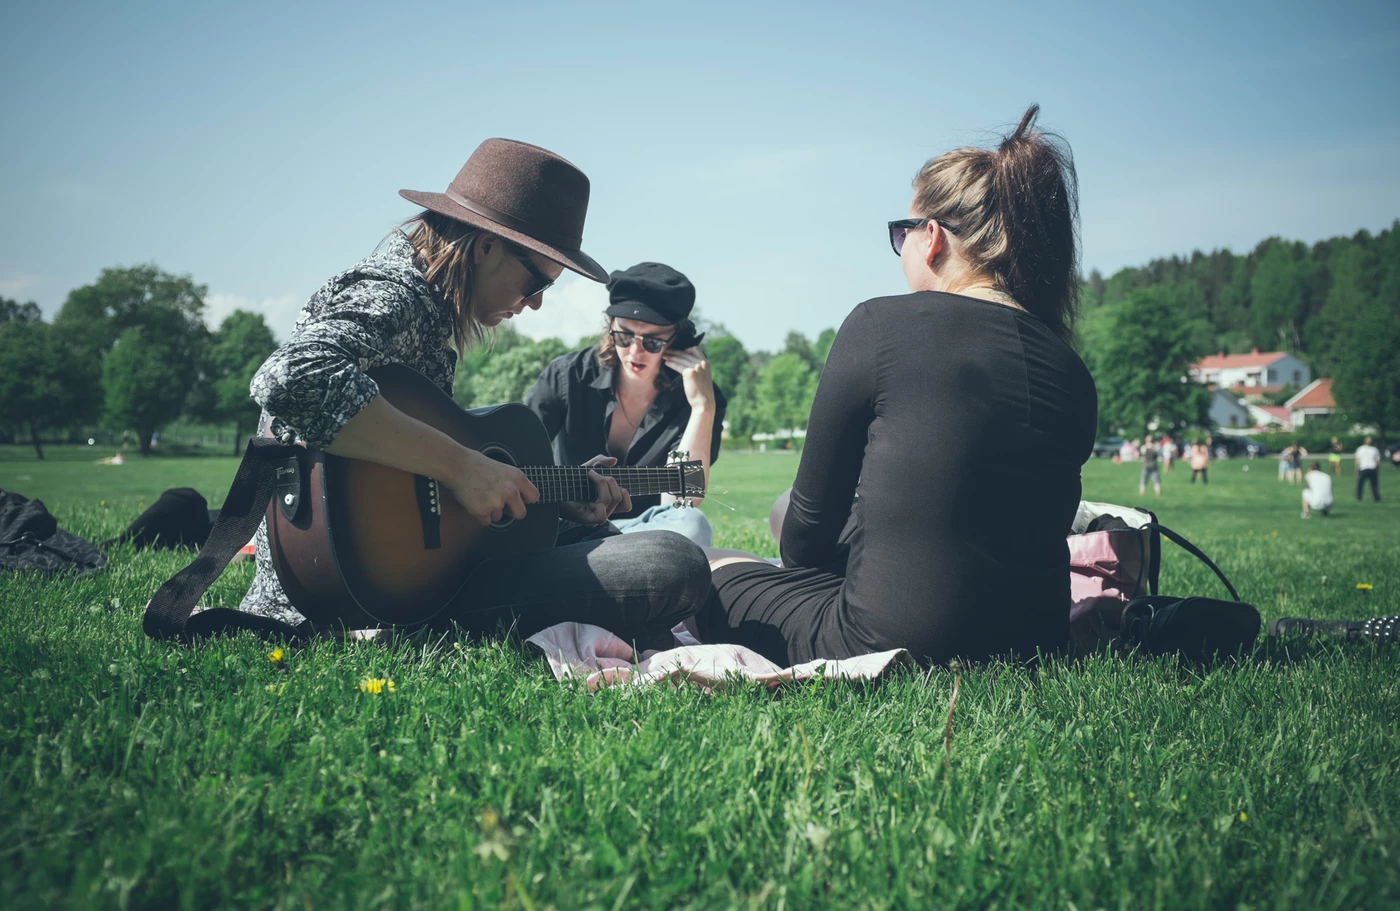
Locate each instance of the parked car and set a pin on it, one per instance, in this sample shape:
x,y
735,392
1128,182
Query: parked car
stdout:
x,y
1107,448
1391,452
1234,447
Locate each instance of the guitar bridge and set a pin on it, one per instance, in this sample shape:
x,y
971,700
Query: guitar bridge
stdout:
x,y
429,497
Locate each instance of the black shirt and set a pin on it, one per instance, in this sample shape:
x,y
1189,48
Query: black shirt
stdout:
x,y
926,408
575,399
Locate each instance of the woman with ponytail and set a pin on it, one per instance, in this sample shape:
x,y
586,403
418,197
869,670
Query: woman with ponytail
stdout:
x,y
941,469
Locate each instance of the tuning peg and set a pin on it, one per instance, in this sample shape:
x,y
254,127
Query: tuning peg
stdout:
x,y
680,455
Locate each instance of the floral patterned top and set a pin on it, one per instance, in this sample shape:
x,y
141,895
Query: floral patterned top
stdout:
x,y
379,311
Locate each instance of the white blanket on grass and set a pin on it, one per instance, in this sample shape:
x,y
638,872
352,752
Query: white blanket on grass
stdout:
x,y
599,658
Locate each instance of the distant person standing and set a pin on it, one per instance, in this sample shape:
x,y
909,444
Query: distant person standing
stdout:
x,y
1169,453
1295,465
1150,455
1334,456
1368,460
1317,491
1200,462
1285,459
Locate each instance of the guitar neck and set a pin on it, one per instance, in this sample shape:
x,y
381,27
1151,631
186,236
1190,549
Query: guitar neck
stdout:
x,y
561,484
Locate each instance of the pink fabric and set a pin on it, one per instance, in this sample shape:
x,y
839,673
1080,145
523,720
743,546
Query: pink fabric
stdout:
x,y
1105,570
602,659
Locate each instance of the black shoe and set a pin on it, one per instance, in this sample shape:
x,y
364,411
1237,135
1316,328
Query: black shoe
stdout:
x,y
1377,629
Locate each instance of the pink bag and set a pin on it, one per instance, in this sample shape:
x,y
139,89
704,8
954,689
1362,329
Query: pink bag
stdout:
x,y
1115,555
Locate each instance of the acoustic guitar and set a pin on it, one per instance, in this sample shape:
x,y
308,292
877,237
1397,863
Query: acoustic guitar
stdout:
x,y
361,545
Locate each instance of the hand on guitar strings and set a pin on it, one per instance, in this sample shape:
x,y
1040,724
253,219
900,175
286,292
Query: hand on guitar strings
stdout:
x,y
611,497
488,489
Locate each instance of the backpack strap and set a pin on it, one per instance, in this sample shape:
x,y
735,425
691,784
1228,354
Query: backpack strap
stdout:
x,y
168,613
1195,552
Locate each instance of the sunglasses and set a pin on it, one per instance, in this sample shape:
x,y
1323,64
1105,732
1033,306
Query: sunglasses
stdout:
x,y
542,282
900,229
623,338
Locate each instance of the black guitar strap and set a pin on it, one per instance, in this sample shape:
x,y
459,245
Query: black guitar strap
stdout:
x,y
168,613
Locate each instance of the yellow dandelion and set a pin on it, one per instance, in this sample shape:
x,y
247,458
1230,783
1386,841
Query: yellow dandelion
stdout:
x,y
1244,817
275,656
376,685
1131,795
1364,586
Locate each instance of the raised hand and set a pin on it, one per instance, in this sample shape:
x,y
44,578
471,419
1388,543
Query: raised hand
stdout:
x,y
694,369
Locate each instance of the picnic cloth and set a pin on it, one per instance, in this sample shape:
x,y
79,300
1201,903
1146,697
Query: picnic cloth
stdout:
x,y
580,650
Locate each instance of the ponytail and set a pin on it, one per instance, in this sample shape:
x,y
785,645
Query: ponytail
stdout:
x,y
1015,210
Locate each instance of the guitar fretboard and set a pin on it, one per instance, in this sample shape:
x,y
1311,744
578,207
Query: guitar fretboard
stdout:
x,y
561,484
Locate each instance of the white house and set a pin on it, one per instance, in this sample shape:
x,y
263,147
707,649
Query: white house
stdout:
x,y
1315,399
1226,410
1271,417
1253,373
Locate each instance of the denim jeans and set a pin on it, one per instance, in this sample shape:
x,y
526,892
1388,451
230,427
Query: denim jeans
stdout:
x,y
636,586
686,521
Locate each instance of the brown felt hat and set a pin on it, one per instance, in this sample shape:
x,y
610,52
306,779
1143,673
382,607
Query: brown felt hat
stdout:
x,y
524,193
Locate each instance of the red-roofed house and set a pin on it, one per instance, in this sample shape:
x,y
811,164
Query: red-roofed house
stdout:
x,y
1315,399
1271,417
1251,373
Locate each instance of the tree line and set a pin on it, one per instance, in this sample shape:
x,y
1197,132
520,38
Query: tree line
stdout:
x,y
1335,305
132,350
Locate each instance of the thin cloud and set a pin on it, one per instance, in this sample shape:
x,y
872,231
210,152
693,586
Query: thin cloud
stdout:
x,y
572,310
280,312
19,285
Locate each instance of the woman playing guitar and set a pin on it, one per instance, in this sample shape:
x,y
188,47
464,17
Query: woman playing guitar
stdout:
x,y
480,253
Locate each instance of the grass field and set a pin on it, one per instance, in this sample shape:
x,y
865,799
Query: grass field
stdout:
x,y
137,774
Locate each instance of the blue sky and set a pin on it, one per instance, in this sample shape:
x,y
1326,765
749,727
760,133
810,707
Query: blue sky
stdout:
x,y
759,148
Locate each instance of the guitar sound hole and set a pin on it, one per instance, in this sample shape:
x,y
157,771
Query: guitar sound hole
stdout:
x,y
500,454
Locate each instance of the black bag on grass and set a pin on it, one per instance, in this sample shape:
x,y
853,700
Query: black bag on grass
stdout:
x,y
31,539
179,518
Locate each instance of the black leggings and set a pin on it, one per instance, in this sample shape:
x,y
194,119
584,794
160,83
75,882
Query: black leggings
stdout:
x,y
1202,473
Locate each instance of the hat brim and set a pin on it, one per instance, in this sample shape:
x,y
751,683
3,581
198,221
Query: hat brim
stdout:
x,y
638,311
574,260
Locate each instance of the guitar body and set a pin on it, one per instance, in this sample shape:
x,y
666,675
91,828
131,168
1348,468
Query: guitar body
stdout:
x,y
362,545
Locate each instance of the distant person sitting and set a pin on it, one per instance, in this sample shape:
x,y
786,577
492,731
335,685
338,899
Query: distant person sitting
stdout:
x,y
1368,460
1317,491
1150,454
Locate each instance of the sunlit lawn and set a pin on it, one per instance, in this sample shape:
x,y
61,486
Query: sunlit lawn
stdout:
x,y
146,775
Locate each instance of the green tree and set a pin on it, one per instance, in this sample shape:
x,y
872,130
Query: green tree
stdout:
x,y
170,306
236,351
1366,381
796,343
728,362
822,346
783,394
474,359
1278,292
145,381
44,383
1140,351
508,377
11,311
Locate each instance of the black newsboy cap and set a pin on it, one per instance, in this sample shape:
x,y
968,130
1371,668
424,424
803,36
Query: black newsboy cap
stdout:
x,y
652,293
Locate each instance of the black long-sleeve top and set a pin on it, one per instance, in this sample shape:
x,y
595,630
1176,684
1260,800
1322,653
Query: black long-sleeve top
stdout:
x,y
962,426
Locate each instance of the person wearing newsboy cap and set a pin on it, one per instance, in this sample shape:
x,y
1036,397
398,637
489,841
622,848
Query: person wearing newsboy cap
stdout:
x,y
475,255
641,393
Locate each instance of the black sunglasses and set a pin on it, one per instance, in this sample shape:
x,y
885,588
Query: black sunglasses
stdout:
x,y
542,282
900,229
623,338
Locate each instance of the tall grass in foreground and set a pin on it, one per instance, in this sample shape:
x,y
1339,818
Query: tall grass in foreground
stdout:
x,y
139,774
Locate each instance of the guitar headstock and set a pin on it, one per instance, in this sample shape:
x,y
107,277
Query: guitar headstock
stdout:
x,y
692,475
